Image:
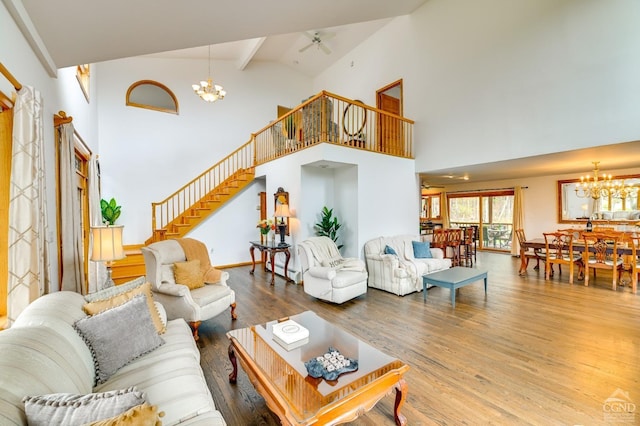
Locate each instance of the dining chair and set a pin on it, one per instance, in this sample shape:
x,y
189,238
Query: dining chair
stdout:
x,y
454,241
468,242
602,251
633,240
439,240
559,250
528,252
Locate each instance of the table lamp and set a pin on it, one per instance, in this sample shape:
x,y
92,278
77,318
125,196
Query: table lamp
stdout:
x,y
107,247
282,211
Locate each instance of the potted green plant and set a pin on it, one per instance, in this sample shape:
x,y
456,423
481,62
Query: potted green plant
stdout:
x,y
328,226
110,211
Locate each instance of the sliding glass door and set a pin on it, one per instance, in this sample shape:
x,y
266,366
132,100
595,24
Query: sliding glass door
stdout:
x,y
491,211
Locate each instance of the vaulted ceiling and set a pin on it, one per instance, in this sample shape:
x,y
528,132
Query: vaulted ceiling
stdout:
x,y
72,32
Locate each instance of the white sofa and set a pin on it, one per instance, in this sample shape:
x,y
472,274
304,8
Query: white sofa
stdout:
x,y
622,215
402,273
327,275
43,354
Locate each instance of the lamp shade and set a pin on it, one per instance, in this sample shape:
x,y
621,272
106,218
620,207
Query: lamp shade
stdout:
x,y
107,243
282,210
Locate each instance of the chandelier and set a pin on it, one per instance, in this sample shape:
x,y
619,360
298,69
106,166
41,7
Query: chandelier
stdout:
x,y
596,186
207,90
623,190
603,186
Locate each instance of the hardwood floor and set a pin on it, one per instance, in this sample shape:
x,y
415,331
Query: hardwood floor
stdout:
x,y
530,352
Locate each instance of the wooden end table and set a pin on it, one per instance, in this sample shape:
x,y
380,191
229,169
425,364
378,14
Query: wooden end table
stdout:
x,y
453,279
271,248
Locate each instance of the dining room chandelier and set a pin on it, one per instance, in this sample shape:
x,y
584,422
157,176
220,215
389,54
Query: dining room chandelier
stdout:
x,y
595,186
207,89
603,186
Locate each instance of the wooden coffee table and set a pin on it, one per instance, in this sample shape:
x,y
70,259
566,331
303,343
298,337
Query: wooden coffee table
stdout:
x,y
281,378
454,278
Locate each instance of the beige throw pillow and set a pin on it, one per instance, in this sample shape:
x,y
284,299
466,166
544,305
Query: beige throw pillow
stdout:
x,y
145,289
189,274
140,415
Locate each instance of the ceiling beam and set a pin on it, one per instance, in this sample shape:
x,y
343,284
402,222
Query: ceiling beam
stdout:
x,y
28,30
250,49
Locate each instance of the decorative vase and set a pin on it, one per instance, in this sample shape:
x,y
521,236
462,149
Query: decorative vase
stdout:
x,y
273,237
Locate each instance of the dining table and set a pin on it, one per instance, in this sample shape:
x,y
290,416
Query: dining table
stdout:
x,y
539,244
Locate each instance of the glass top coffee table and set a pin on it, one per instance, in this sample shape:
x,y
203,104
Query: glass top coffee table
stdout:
x,y
281,378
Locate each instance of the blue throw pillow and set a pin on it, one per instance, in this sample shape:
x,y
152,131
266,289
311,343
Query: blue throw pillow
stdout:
x,y
421,250
389,250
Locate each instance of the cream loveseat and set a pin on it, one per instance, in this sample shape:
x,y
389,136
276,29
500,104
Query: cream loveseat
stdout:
x,y
42,353
400,273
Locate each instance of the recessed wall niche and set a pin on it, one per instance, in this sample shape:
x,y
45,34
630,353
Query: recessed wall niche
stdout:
x,y
152,95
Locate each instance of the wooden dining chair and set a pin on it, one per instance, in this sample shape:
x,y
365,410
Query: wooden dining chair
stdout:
x,y
454,241
439,240
633,241
602,251
528,253
559,251
468,241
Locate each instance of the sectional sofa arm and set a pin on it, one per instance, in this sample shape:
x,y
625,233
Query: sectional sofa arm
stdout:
x,y
177,290
437,253
323,272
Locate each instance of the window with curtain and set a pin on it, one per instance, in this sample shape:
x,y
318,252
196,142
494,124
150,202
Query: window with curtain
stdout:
x,y
491,211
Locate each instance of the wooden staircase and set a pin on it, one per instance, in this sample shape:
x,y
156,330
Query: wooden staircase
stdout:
x,y
193,215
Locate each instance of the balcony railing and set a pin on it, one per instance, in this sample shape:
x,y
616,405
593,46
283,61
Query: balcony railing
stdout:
x,y
329,118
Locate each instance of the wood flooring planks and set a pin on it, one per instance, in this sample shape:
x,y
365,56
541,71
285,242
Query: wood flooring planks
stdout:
x,y
529,352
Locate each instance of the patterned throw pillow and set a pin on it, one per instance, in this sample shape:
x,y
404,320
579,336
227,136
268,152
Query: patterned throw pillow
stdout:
x,y
98,306
389,250
189,274
72,409
119,335
108,293
422,250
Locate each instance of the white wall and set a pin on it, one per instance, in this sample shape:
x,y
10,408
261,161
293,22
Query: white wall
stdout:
x,y
147,155
500,79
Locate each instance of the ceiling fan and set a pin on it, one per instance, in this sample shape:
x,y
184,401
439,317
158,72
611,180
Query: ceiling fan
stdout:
x,y
317,40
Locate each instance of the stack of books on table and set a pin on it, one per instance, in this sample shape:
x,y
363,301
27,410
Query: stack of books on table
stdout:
x,y
290,335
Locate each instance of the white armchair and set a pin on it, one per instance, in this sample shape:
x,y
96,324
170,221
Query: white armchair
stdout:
x,y
195,305
327,275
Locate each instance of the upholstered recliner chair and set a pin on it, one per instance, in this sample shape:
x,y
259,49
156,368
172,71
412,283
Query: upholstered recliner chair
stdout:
x,y
193,305
329,276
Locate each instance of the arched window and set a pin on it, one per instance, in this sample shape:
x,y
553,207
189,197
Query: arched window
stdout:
x,y
150,94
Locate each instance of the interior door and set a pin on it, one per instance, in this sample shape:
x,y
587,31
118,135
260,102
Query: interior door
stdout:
x,y
390,129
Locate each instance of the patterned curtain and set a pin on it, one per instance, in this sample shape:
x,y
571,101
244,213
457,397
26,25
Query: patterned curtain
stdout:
x,y
518,219
97,270
29,269
72,252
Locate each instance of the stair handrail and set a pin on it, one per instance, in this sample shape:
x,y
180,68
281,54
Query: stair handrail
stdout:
x,y
174,205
